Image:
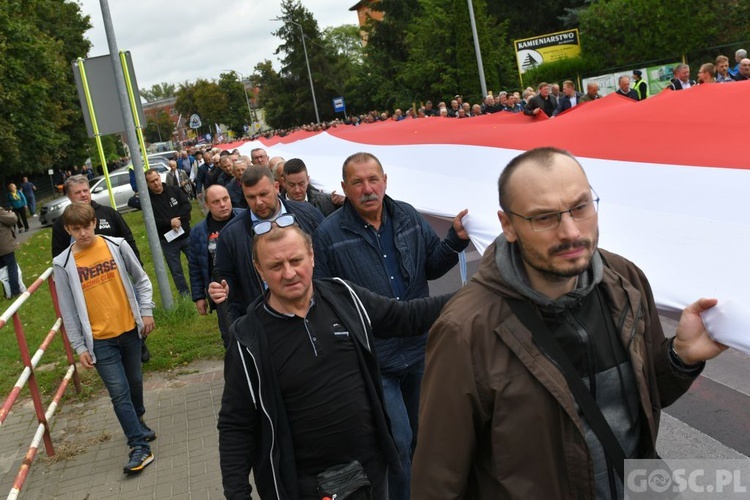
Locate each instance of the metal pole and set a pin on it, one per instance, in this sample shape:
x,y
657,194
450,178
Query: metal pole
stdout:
x,y
140,179
247,100
309,73
476,49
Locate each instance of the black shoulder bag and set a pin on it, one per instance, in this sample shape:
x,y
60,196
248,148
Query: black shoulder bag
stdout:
x,y
548,345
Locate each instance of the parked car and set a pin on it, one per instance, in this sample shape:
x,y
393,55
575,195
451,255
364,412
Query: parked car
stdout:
x,y
121,190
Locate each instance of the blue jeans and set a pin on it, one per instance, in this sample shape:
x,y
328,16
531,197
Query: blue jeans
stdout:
x,y
401,393
172,256
118,361
9,261
31,203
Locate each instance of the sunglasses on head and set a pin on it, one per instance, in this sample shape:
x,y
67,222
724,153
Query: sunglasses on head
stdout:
x,y
265,226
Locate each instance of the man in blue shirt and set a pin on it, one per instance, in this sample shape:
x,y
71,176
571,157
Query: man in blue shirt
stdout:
x,y
387,246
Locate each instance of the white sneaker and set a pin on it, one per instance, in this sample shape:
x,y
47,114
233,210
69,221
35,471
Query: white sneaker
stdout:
x,y
35,215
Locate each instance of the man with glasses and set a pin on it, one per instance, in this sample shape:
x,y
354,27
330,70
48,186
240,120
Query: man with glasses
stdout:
x,y
259,157
235,274
546,315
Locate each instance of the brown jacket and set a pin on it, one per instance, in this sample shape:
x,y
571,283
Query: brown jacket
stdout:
x,y
497,420
7,231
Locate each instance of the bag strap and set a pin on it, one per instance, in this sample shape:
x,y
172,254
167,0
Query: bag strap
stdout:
x,y
592,413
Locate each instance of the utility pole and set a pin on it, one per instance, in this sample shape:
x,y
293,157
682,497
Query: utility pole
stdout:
x,y
482,82
140,179
307,61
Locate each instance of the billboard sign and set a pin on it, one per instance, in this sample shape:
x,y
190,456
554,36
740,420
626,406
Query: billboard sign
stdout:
x,y
532,52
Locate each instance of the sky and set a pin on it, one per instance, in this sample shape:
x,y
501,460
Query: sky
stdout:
x,y
177,41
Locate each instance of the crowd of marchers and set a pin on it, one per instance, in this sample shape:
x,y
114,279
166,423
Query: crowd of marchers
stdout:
x,y
536,380
548,97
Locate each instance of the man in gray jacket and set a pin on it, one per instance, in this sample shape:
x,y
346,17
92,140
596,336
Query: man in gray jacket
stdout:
x,y
106,302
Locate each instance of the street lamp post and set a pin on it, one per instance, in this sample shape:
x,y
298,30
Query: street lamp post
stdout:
x,y
158,130
480,66
307,61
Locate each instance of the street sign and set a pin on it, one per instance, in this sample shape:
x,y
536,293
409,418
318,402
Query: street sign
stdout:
x,y
195,121
338,105
100,75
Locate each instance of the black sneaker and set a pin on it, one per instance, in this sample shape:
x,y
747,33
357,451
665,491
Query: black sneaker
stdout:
x,y
145,354
139,458
148,433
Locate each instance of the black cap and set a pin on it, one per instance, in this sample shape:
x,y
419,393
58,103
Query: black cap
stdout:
x,y
637,72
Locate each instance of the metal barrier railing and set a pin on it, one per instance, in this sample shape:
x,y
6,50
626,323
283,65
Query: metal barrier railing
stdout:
x,y
28,376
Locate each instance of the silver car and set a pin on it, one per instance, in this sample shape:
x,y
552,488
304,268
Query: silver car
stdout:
x,y
121,190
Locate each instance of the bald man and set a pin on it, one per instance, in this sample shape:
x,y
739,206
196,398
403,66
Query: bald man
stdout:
x,y
203,241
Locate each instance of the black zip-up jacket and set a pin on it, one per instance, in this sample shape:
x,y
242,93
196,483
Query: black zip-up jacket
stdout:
x,y
109,222
171,203
253,428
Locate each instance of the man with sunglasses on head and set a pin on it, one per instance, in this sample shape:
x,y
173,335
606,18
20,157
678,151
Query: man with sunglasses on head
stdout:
x,y
235,275
302,392
550,368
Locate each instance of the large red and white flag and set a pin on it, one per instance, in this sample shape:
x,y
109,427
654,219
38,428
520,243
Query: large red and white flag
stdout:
x,y
673,174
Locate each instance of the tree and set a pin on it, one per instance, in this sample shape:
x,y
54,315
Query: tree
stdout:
x,y
112,147
527,19
205,99
237,113
387,50
158,92
273,95
41,125
158,128
299,22
621,32
344,41
343,44
453,69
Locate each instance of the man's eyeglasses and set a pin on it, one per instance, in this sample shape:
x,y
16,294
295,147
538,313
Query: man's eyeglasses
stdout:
x,y
265,226
547,222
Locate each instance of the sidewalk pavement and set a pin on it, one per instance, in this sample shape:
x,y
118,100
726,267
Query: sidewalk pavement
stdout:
x,y
91,448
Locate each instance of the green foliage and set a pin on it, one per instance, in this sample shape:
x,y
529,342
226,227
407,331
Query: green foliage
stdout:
x,y
41,124
111,145
527,19
158,92
333,58
621,32
272,95
204,98
453,70
388,51
557,71
159,128
236,116
344,41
